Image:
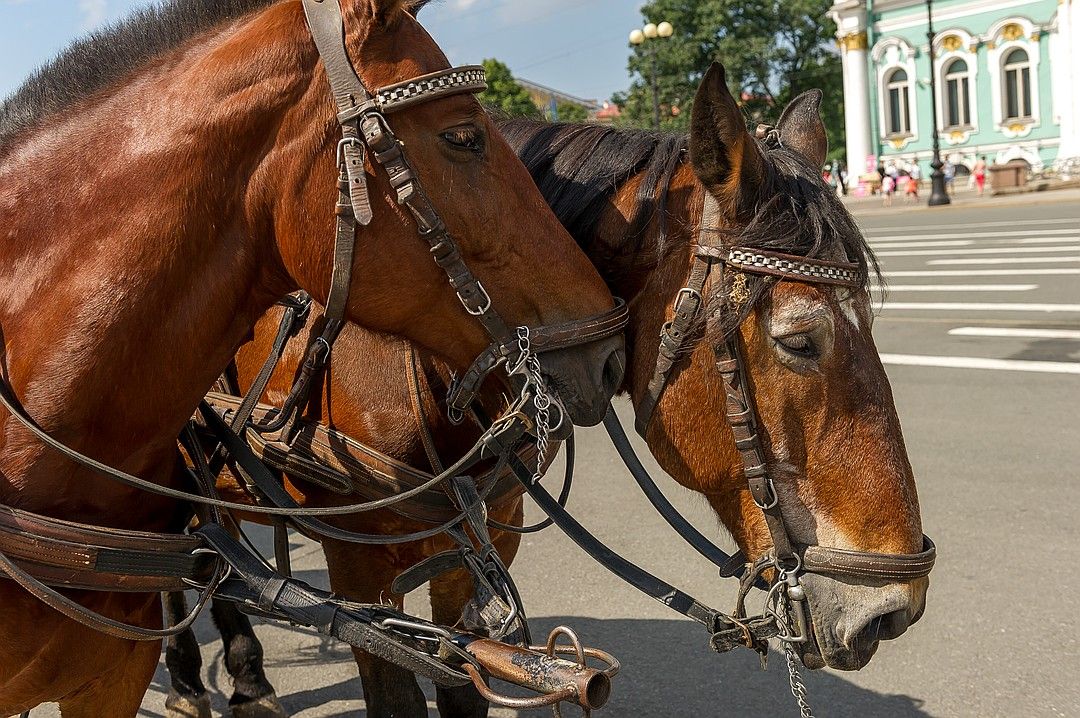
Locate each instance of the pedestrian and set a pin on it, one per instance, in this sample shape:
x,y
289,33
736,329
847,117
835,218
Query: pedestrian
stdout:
x,y
887,186
833,178
881,176
949,169
980,175
843,178
914,175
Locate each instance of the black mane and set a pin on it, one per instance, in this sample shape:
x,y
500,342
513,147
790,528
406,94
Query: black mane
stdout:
x,y
579,167
105,57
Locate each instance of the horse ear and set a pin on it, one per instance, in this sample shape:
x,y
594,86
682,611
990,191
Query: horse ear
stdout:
x,y
802,130
415,6
724,156
386,12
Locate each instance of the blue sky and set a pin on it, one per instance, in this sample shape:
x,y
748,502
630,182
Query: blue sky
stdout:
x,y
577,46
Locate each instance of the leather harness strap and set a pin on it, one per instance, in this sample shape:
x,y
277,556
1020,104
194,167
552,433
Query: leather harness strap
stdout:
x,y
72,555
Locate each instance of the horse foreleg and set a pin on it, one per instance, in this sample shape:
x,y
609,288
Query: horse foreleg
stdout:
x,y
364,574
253,696
187,694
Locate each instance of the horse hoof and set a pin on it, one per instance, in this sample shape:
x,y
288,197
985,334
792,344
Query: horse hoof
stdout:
x,y
178,706
266,707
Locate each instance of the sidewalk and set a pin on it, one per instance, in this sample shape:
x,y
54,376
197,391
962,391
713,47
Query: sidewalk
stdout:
x,y
961,199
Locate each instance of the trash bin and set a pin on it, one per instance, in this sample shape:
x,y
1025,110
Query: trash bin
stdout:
x,y
1013,173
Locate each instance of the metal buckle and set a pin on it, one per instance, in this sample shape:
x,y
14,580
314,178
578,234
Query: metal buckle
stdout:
x,y
347,141
688,292
771,488
484,294
224,575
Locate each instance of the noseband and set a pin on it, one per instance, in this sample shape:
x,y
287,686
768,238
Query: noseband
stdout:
x,y
365,129
788,558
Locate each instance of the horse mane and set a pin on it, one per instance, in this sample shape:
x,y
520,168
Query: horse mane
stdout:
x,y
578,167
103,58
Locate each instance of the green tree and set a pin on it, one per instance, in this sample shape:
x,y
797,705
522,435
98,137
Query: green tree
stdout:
x,y
570,112
504,93
772,49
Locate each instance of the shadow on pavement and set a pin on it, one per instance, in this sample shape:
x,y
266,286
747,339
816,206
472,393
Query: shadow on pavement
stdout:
x,y
667,670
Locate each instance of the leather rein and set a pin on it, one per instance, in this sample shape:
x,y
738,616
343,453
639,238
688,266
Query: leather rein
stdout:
x,y
40,553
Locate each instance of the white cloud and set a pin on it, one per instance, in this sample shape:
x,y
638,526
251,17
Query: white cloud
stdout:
x,y
463,4
93,13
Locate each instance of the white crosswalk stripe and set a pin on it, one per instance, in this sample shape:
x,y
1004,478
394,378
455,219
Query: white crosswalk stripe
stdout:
x,y
1006,260
984,306
970,225
972,242
1015,333
1025,232
978,250
1046,367
964,270
956,288
1019,272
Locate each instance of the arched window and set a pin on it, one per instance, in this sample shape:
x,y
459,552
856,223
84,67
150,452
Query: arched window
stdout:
x,y
957,81
897,94
1017,77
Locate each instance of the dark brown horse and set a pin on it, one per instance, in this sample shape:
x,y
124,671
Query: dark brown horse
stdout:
x,y
634,201
162,184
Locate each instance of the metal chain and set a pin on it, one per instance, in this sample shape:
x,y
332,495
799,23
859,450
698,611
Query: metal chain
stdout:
x,y
529,365
777,605
798,688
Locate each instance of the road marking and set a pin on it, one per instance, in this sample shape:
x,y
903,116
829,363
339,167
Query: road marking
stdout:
x,y
1006,223
1031,271
909,245
1026,232
1012,241
983,306
1004,260
957,287
981,250
1045,367
1015,333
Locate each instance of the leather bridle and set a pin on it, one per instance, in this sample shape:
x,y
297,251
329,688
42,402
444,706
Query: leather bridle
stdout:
x,y
38,552
788,558
365,130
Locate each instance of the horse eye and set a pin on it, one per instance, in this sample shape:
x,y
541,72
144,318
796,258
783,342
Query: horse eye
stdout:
x,y
465,139
799,345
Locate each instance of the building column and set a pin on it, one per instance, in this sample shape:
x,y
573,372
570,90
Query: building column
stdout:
x,y
850,17
1063,58
853,48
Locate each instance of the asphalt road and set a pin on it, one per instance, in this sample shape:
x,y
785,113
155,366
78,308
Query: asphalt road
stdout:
x,y
994,439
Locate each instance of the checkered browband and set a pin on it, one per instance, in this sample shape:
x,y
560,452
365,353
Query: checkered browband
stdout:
x,y
455,81
785,266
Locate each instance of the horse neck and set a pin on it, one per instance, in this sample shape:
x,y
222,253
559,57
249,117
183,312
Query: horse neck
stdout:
x,y
139,253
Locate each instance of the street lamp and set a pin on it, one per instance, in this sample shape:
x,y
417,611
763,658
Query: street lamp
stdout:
x,y
652,31
938,194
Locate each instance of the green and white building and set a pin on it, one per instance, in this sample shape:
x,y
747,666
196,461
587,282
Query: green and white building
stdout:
x,y
1007,75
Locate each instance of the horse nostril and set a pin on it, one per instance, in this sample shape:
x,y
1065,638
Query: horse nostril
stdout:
x,y
887,627
614,368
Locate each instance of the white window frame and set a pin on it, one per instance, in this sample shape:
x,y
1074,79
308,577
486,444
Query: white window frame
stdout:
x,y
995,59
903,93
970,98
1024,94
889,54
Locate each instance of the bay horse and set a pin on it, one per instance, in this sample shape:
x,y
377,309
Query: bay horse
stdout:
x,y
162,184
633,200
